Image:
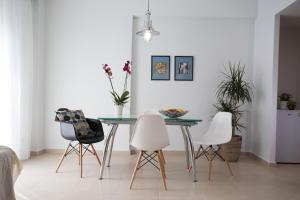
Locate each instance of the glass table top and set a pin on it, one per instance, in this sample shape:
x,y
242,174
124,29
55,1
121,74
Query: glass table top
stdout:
x,y
134,118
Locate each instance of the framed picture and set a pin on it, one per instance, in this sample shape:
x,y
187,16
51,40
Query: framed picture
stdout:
x,y
183,68
160,68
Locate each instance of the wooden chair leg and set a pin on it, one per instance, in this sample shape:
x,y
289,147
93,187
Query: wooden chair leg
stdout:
x,y
95,152
79,154
228,167
209,162
160,153
197,155
226,163
161,166
80,159
136,168
162,156
62,158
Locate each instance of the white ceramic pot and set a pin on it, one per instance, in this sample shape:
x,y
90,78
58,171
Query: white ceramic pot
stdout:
x,y
119,110
283,105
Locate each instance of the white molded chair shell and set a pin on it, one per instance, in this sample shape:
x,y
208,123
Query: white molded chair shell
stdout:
x,y
219,131
151,112
150,133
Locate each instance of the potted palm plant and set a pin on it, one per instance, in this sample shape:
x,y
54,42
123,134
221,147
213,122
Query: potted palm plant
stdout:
x,y
232,93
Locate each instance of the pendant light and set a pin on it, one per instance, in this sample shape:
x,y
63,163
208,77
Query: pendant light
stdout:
x,y
148,32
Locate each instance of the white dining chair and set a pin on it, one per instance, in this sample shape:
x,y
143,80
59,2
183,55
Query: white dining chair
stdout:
x,y
219,132
156,112
151,112
150,137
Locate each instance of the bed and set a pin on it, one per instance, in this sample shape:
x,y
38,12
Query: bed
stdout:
x,y
10,168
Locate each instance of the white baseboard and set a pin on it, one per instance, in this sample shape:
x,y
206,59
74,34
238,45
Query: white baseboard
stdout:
x,y
170,152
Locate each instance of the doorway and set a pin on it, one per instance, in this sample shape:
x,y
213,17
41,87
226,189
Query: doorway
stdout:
x,y
288,90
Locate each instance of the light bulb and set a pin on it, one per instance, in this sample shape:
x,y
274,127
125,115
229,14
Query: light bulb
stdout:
x,y
147,35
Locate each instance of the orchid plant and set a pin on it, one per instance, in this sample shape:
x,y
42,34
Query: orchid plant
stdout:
x,y
122,99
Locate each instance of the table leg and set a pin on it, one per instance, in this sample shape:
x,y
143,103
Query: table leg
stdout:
x,y
112,130
131,148
185,147
192,152
111,146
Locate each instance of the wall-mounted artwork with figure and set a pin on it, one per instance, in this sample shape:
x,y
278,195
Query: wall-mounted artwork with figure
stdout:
x,y
160,68
183,68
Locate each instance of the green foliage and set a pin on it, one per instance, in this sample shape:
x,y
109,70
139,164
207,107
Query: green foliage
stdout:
x,y
233,92
120,100
291,105
285,97
234,88
117,99
224,106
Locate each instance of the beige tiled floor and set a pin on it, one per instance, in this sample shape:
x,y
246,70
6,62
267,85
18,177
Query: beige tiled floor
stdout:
x,y
252,180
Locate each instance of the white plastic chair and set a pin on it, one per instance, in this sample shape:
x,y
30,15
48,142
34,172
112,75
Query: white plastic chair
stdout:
x,y
155,112
150,135
219,132
151,112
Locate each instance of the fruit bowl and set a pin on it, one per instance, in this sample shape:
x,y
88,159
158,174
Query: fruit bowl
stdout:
x,y
173,112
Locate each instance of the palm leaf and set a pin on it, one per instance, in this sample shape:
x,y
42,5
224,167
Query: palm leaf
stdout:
x,y
234,87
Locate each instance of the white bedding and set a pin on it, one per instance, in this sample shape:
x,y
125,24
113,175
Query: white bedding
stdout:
x,y
10,168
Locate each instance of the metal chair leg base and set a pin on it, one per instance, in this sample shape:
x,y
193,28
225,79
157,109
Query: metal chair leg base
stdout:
x,y
144,158
70,148
210,153
80,152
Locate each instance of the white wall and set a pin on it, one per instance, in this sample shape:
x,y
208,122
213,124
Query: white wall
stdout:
x,y
80,35
263,121
80,38
37,139
212,42
289,62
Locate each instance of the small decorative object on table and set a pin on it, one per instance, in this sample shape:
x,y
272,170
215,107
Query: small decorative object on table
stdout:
x,y
284,98
173,112
119,100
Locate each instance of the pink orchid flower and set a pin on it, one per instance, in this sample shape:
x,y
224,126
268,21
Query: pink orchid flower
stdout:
x,y
107,70
127,67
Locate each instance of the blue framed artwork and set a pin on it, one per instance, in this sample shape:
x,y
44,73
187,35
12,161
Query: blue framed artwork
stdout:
x,y
160,68
183,68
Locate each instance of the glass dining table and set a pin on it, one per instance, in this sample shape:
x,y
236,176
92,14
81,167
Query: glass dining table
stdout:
x,y
184,123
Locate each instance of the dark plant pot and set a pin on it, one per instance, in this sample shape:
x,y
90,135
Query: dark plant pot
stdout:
x,y
291,107
231,151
